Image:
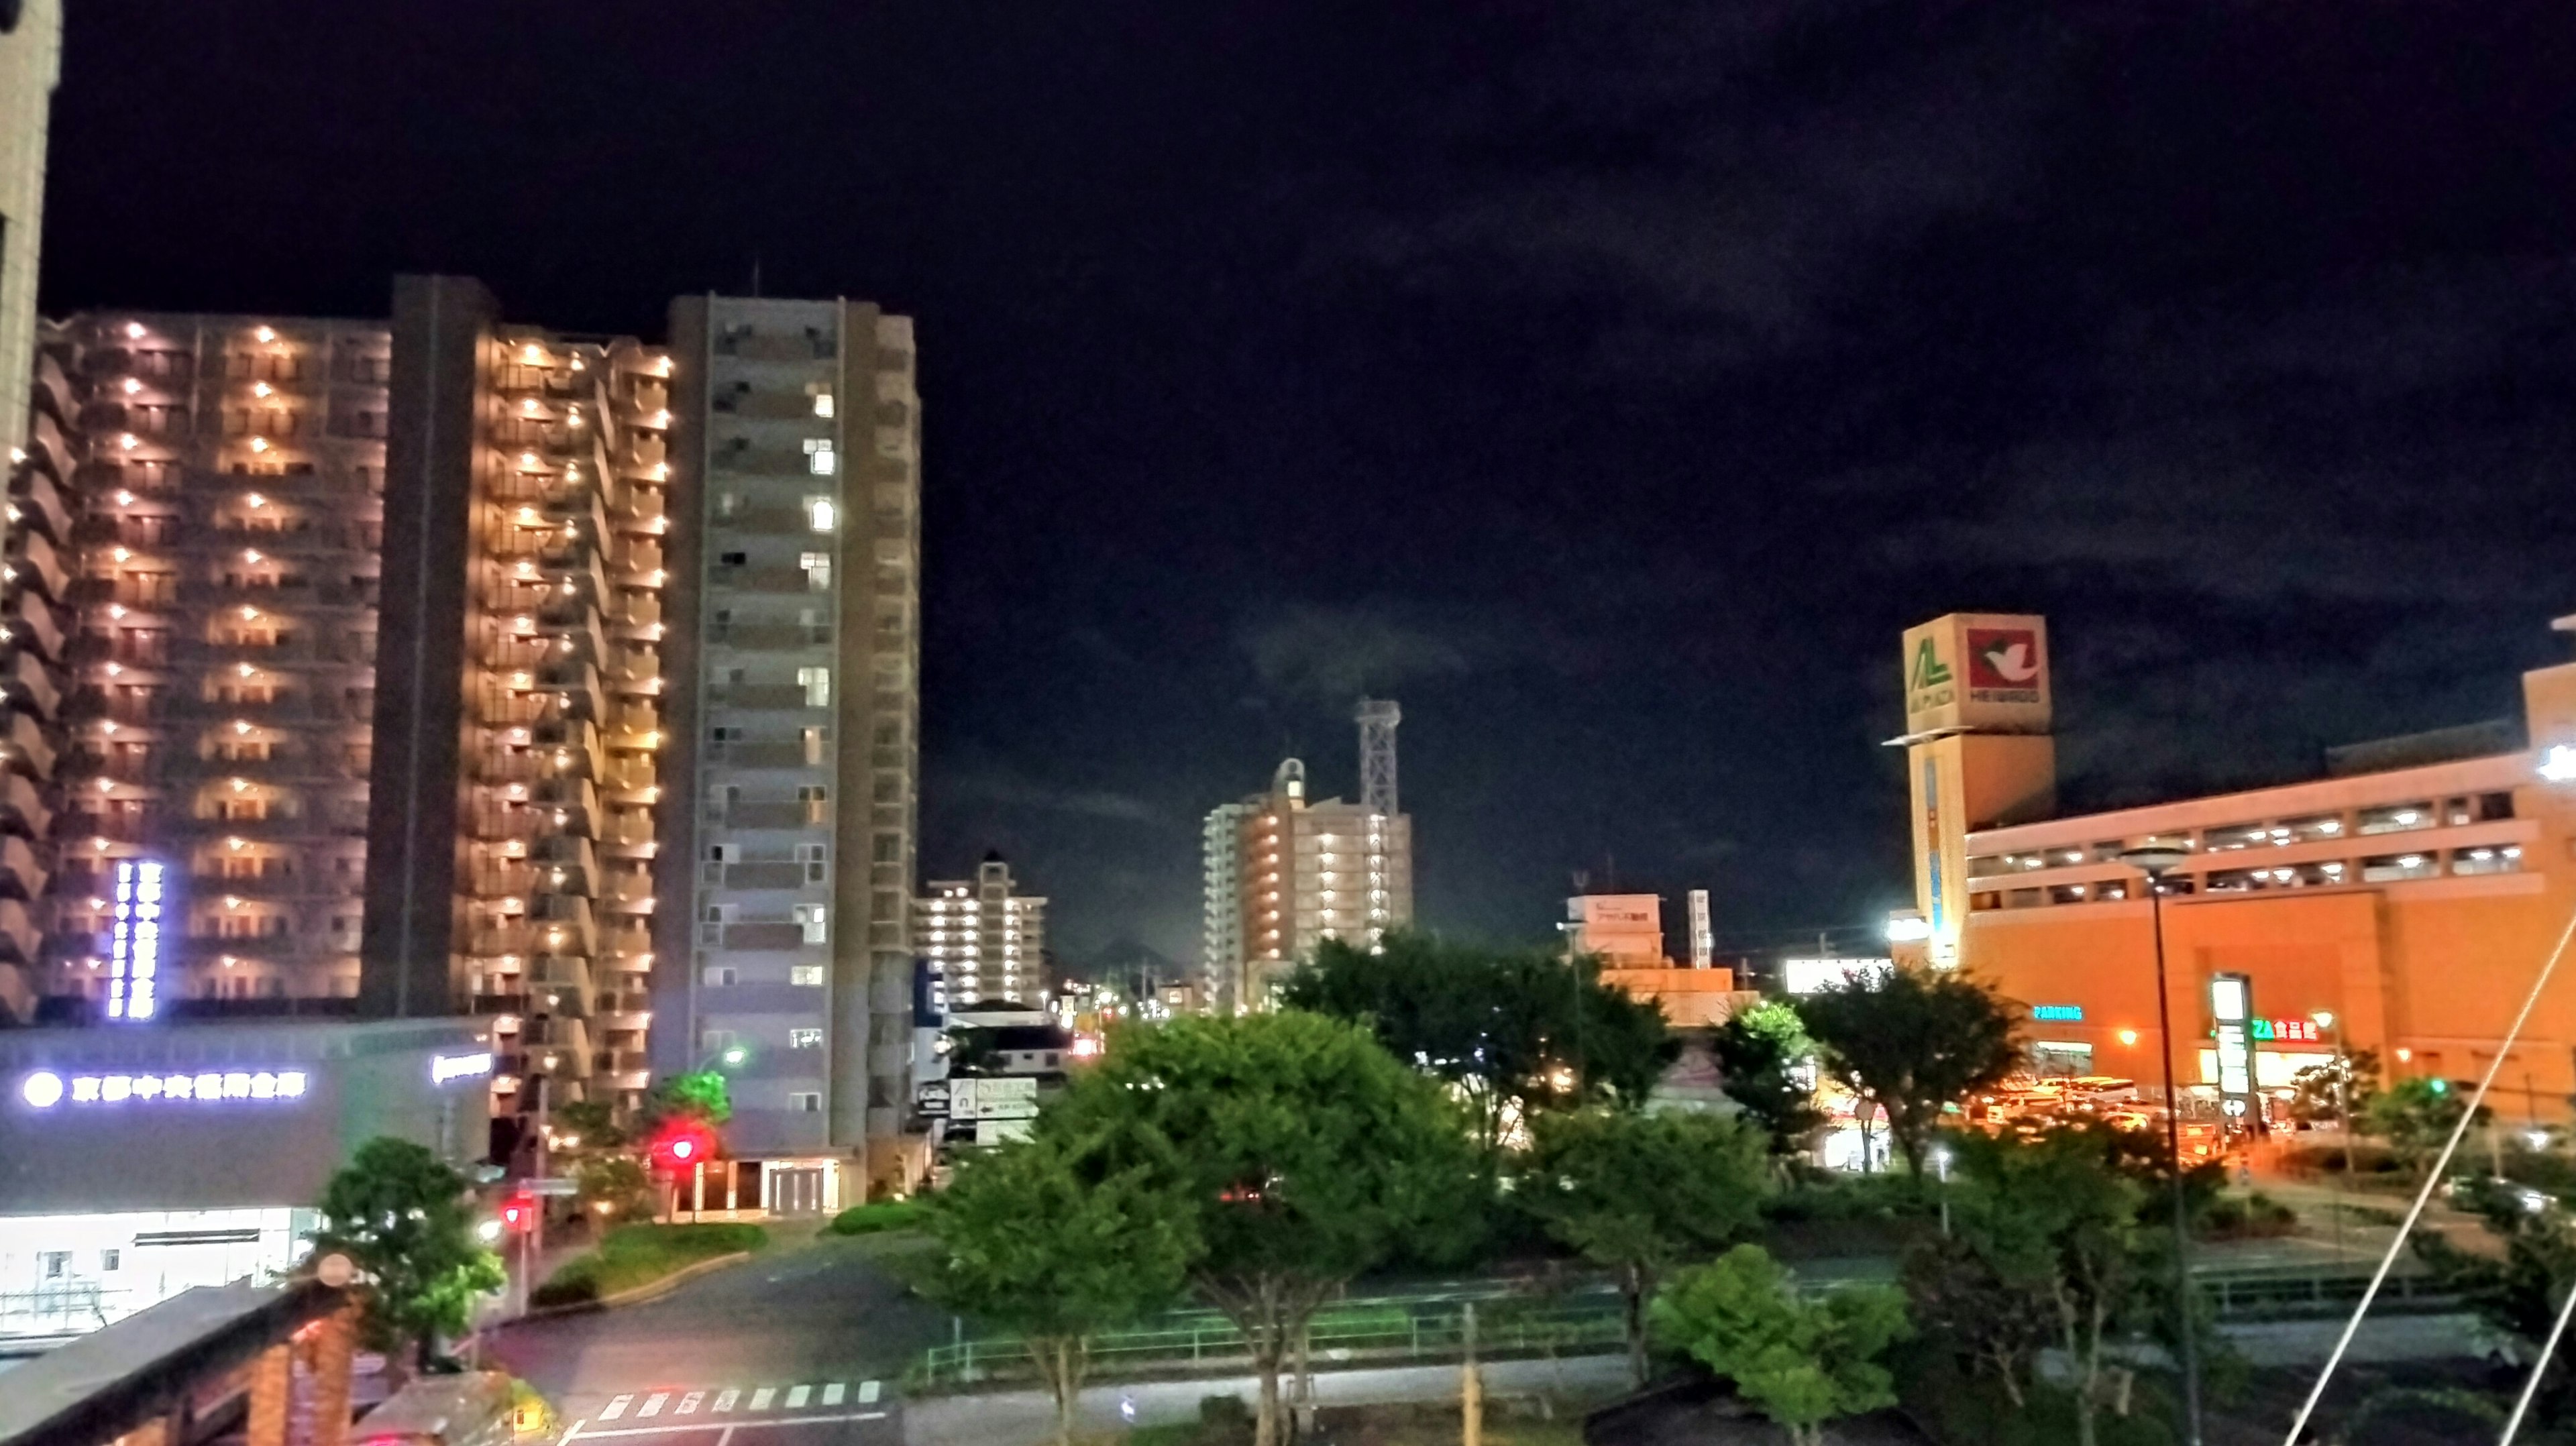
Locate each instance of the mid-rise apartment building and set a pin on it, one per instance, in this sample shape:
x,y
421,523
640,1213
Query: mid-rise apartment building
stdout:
x,y
1283,873
794,666
984,942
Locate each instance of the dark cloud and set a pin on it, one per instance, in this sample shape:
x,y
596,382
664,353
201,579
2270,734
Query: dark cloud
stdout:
x,y
1332,655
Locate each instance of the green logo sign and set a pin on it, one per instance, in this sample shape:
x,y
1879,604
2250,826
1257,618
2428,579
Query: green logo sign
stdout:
x,y
1929,670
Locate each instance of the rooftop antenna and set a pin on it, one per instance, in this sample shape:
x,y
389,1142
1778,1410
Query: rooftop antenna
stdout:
x,y
1377,718
755,275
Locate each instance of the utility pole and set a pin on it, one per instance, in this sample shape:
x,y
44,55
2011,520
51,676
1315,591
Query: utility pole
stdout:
x,y
1471,1391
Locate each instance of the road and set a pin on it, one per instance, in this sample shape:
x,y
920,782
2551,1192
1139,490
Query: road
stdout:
x,y
798,1346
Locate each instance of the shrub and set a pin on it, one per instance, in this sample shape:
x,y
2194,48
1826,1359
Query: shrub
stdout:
x,y
881,1216
2253,1217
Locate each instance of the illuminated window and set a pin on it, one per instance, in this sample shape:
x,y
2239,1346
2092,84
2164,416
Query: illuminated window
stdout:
x,y
821,513
818,570
804,1039
819,458
817,683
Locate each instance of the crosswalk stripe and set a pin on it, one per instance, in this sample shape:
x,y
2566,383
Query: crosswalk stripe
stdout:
x,y
617,1408
761,1398
725,1400
797,1396
689,1403
832,1393
867,1393
653,1403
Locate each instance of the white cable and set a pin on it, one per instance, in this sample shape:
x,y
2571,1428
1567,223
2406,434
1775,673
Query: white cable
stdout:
x,y
2416,1212
2531,1387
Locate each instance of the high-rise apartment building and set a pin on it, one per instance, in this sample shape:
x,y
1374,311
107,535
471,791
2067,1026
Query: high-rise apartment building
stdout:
x,y
794,666
30,61
985,944
35,465
221,690
1283,873
364,670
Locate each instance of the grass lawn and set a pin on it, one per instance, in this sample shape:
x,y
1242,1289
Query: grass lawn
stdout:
x,y
634,1255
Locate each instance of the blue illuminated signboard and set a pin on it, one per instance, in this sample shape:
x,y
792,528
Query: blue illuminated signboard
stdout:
x,y
134,940
2058,1013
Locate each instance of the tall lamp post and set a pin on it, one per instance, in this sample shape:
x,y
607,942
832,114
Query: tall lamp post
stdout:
x,y
2156,861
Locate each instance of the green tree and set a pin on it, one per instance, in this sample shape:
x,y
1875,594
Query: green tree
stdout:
x,y
1302,1152
1912,1042
1640,1193
1800,1362
1760,1052
1518,1030
2518,1283
700,1093
406,1221
2416,1116
2321,1094
2049,1232
616,1181
1045,1241
588,1127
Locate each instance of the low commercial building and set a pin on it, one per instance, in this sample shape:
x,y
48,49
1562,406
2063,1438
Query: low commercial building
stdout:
x,y
138,1162
1626,932
2403,902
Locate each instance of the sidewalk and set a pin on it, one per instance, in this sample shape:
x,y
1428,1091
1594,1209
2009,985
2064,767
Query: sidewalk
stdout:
x,y
1023,1418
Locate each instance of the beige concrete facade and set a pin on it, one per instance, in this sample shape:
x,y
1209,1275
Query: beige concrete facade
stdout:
x,y
1283,874
984,941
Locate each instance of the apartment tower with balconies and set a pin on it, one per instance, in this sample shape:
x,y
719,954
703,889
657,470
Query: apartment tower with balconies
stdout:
x,y
792,734
984,942
213,785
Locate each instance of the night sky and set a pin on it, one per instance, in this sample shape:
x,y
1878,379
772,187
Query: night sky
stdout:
x,y
1611,382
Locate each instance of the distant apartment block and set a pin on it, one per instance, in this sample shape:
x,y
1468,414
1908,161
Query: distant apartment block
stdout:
x,y
984,942
1284,873
794,710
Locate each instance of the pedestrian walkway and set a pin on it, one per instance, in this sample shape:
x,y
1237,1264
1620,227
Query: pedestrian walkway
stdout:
x,y
1024,1418
671,1403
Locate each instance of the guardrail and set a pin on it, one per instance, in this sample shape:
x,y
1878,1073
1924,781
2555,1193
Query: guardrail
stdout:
x,y
2291,1291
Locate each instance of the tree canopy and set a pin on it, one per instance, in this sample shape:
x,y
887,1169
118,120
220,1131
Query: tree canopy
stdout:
x,y
1299,1152
1759,1055
2416,1116
1912,1041
405,1220
1518,1029
1641,1193
1801,1362
1046,1240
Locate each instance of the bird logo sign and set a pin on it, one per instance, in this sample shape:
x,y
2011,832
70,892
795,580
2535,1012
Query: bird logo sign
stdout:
x,y
2003,665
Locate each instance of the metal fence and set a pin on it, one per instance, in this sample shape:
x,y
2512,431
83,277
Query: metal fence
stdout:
x,y
1376,1332
2287,1292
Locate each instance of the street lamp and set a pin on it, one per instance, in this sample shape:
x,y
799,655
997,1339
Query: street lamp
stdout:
x,y
2156,861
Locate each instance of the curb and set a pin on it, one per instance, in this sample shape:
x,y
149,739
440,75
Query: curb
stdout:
x,y
650,1290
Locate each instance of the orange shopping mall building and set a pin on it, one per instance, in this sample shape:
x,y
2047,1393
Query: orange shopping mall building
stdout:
x,y
2403,903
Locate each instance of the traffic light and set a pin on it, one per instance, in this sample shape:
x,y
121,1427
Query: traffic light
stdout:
x,y
682,1144
519,1213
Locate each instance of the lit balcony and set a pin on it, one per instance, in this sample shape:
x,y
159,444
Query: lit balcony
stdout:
x,y
30,685
558,984
31,621
41,503
35,563
21,876
24,748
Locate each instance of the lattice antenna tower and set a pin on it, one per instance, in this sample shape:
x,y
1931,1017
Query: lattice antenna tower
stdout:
x,y
1377,718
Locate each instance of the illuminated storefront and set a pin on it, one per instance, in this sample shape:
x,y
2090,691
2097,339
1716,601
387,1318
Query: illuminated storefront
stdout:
x,y
2402,903
138,1162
